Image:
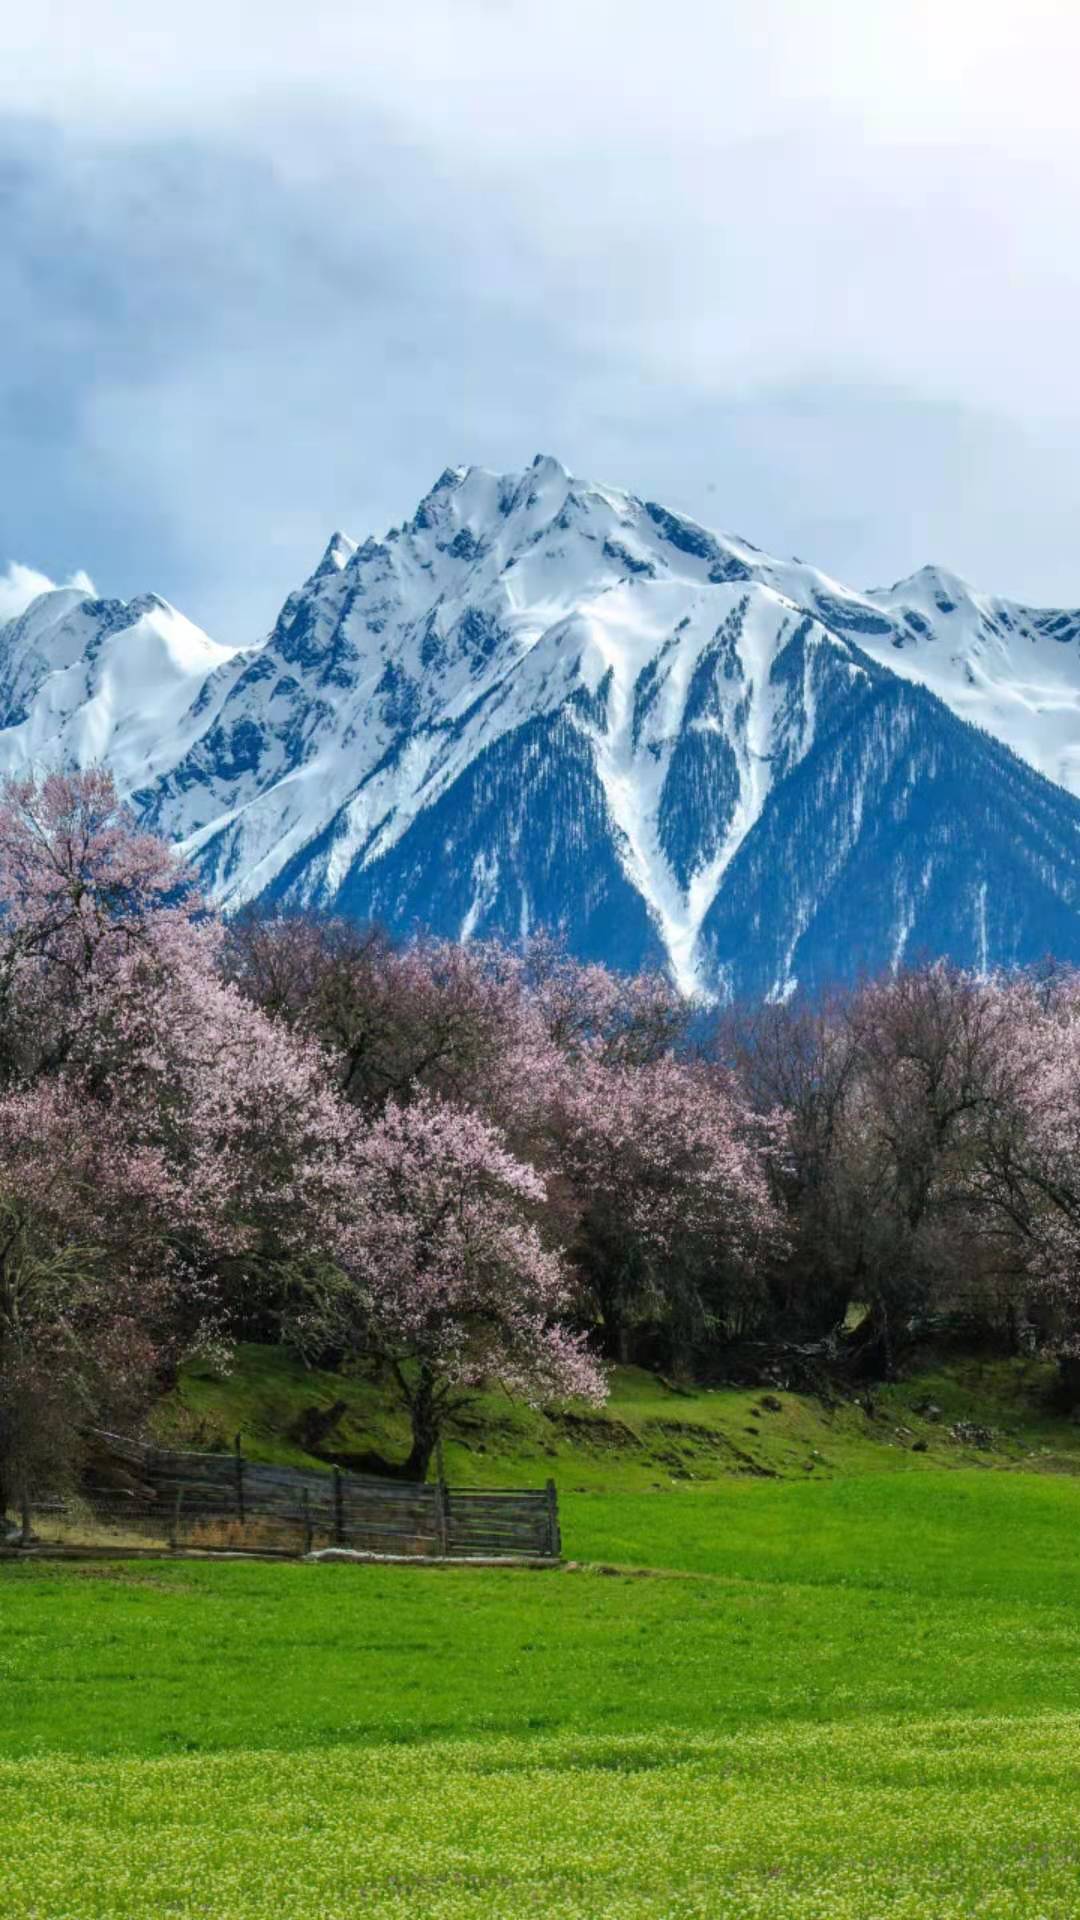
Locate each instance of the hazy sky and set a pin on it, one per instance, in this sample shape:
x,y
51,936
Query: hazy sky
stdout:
x,y
805,268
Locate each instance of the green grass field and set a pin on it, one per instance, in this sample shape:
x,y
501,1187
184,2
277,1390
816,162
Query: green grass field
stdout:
x,y
851,1689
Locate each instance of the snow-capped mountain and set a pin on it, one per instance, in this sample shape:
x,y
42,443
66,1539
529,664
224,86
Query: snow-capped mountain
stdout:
x,y
83,680
544,702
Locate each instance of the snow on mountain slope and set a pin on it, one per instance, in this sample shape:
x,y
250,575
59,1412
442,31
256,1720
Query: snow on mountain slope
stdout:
x,y
543,701
1012,670
85,680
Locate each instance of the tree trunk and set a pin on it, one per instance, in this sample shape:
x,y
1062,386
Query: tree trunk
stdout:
x,y
614,1329
426,1417
1069,1381
888,1360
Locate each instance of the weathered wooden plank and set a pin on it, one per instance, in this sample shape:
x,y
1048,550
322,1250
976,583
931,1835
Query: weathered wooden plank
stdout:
x,y
533,1511
214,1489
386,1489
411,1533
416,1522
391,1540
516,1521
521,1556
528,1508
484,1545
498,1493
314,1482
482,1501
498,1533
500,1543
497,1546
361,1497
538,1519
360,1504
426,1520
504,1533
517,1533
499,1519
351,1497
271,1496
386,1485
465,1505
538,1524
491,1528
290,1490
377,1496
290,1502
178,1477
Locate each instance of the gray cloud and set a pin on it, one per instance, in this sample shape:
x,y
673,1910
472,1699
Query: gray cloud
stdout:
x,y
800,270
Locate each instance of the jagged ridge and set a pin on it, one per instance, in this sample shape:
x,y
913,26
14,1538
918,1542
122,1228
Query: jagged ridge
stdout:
x,y
547,702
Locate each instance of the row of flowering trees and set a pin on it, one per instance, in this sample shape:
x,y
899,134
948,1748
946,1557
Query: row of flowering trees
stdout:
x,y
461,1163
932,1155
470,1164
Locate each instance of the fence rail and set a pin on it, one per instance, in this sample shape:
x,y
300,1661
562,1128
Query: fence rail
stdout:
x,y
157,1494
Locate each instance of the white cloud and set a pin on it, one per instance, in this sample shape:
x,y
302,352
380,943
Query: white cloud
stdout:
x,y
503,74
20,587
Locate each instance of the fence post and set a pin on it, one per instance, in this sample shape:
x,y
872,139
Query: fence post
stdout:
x,y
442,1518
24,1515
554,1536
339,1510
306,1498
239,1479
174,1533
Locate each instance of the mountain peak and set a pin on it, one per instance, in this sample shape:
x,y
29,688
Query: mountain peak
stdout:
x,y
545,464
338,552
936,582
449,477
544,702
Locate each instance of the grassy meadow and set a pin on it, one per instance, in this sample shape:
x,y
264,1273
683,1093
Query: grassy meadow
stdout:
x,y
790,1687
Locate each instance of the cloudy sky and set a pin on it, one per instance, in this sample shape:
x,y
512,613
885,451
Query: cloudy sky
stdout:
x,y
807,269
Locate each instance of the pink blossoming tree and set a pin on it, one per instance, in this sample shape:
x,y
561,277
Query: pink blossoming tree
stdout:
x,y
158,1136
665,1166
448,1275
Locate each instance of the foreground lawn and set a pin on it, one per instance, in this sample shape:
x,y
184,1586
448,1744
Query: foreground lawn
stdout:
x,y
854,1697
937,1820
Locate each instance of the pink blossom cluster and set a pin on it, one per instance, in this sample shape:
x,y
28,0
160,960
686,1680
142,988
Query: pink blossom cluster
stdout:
x,y
453,1270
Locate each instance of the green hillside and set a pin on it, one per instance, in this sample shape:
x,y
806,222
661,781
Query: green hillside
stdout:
x,y
651,1435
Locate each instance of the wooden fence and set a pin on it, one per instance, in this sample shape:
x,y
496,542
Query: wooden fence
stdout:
x,y
188,1497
